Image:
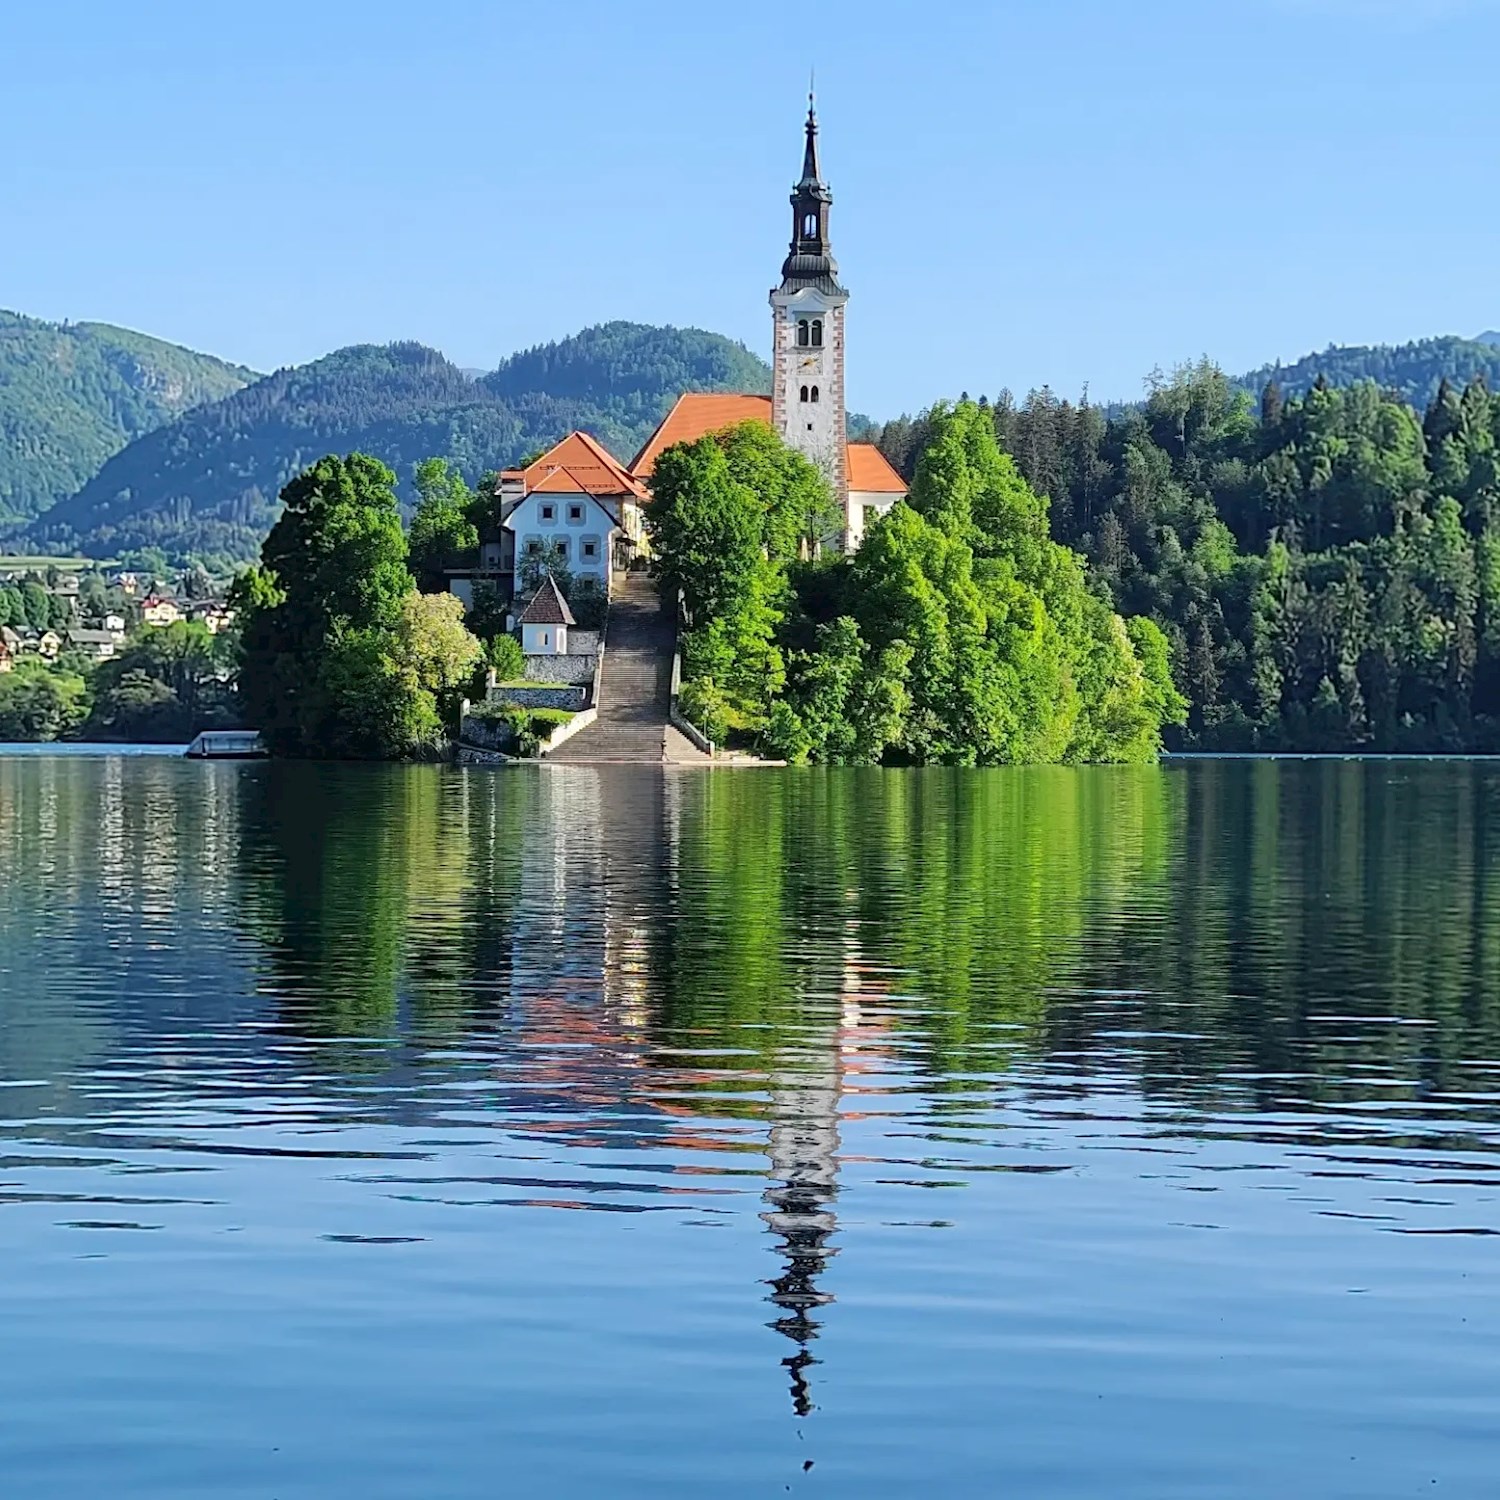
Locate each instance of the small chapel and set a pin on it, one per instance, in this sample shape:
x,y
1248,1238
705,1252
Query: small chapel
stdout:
x,y
580,505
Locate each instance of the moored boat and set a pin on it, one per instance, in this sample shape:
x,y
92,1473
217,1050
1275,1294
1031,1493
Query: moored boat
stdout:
x,y
227,744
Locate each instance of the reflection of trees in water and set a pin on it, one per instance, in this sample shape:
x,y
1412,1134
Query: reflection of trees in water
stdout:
x,y
684,945
1332,925
112,874
382,895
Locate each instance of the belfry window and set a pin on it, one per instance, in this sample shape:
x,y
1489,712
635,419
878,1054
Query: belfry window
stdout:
x,y
817,333
809,226
804,393
804,336
815,393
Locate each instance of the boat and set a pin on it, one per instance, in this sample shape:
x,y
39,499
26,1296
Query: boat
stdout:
x,y
227,744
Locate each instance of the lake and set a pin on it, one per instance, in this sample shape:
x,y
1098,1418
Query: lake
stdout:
x,y
400,1131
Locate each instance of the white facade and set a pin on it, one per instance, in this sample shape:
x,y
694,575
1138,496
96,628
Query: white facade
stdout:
x,y
544,640
807,393
572,528
863,507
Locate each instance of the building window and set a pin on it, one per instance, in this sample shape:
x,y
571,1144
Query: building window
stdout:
x,y
809,426
810,226
804,393
803,335
549,513
815,393
590,550
817,333
575,512
560,548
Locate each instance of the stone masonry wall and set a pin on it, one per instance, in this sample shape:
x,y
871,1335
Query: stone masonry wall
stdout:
x,y
569,668
571,698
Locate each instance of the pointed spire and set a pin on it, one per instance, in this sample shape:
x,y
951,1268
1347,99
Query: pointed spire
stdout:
x,y
810,171
811,259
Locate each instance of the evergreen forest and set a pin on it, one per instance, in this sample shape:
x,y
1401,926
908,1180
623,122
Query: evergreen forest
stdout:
x,y
73,394
1325,565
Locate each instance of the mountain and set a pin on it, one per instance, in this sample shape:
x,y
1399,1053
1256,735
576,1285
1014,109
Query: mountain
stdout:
x,y
73,394
1412,371
207,484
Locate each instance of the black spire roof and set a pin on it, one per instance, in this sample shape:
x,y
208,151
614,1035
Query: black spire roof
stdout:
x,y
810,262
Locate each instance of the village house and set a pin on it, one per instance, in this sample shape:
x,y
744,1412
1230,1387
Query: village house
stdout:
x,y
158,610
97,645
48,644
576,506
211,614
579,506
115,624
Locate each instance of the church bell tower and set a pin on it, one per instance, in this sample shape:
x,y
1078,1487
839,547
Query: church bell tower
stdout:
x,y
807,309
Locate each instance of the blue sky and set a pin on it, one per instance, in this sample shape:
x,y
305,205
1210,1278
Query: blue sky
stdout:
x,y
1026,191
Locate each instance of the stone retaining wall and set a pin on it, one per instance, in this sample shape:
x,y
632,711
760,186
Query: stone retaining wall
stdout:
x,y
571,698
478,734
574,667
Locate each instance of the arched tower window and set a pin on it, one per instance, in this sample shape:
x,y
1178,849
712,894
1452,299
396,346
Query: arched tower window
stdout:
x,y
817,333
815,393
809,226
802,333
804,393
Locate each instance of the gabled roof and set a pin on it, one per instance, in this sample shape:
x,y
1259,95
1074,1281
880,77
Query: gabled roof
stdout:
x,y
697,413
593,468
869,470
563,482
548,607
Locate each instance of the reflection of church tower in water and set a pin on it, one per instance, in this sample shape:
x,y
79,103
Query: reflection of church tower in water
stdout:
x,y
806,1088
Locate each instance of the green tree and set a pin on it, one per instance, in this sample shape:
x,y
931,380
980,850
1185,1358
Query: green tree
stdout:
x,y
322,615
442,529
41,704
433,646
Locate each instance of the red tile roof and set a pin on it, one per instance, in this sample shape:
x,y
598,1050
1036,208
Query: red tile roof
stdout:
x,y
593,468
697,413
547,607
870,471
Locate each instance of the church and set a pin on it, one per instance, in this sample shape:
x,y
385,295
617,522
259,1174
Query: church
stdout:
x,y
581,506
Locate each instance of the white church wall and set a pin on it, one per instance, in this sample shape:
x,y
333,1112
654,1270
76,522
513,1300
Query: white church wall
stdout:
x,y
861,503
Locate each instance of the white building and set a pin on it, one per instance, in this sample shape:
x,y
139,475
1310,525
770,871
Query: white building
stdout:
x,y
545,621
576,505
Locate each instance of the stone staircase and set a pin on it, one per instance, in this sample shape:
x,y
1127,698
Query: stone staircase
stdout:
x,y
634,686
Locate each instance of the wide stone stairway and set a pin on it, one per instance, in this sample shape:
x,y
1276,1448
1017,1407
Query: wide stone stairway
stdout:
x,y
634,686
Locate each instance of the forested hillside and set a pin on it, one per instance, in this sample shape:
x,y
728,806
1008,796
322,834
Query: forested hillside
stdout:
x,y
208,485
73,394
625,375
1326,567
1411,371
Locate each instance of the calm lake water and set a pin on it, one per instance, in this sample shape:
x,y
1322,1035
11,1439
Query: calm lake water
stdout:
x,y
406,1132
